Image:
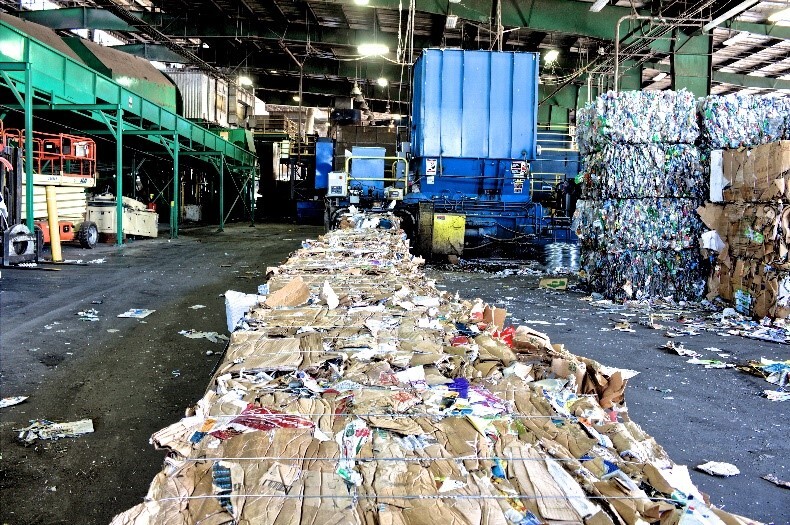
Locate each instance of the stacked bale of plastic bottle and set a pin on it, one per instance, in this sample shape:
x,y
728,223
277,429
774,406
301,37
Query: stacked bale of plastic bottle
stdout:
x,y
642,183
747,136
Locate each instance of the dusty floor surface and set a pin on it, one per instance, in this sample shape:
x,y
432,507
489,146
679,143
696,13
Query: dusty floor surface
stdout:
x,y
138,379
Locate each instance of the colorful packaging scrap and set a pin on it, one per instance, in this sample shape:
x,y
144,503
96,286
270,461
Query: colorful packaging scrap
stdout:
x,y
641,224
635,274
398,403
735,120
643,170
637,117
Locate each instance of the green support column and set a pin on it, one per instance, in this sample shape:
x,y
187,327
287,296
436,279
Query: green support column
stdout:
x,y
544,113
558,118
176,189
691,63
119,177
252,196
222,192
630,76
28,102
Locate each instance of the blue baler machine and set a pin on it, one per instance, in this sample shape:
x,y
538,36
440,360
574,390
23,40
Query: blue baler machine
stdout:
x,y
473,136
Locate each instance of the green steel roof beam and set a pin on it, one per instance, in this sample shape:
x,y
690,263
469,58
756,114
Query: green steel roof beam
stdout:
x,y
748,81
566,16
77,18
773,30
153,52
735,79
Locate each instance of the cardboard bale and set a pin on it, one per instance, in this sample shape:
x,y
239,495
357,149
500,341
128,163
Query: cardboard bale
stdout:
x,y
394,405
757,174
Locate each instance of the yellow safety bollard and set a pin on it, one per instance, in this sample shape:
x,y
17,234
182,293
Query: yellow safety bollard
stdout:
x,y
54,223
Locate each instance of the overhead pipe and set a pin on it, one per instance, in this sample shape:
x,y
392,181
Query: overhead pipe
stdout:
x,y
687,22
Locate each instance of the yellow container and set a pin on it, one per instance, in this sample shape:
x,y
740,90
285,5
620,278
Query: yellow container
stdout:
x,y
448,233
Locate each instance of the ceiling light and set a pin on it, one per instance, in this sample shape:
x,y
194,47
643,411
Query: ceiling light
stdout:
x,y
372,49
244,80
738,37
455,1
273,71
780,16
361,2
598,5
383,82
296,98
551,56
205,45
355,90
451,21
660,76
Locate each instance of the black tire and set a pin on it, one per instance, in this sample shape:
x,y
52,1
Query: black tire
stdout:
x,y
88,235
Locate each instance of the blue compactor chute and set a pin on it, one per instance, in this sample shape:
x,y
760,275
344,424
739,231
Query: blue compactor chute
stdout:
x,y
464,183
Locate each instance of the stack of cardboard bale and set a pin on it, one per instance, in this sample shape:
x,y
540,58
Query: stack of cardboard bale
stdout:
x,y
750,202
357,393
643,181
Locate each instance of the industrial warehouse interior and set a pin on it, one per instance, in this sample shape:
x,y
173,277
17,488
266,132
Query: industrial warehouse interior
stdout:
x,y
474,262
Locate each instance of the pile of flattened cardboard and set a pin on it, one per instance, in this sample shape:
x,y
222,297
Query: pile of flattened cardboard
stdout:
x,y
752,227
360,394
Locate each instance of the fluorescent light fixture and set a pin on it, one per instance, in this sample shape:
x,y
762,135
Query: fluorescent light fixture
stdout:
x,y
372,49
551,55
361,2
455,1
383,82
296,98
732,13
780,16
451,21
660,76
737,37
244,80
396,116
598,5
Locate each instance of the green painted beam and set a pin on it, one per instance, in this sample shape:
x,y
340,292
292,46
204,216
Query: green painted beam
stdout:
x,y
691,63
153,52
77,18
59,79
773,30
631,79
748,81
735,79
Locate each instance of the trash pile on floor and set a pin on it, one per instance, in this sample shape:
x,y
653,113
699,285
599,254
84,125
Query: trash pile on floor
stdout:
x,y
356,392
642,182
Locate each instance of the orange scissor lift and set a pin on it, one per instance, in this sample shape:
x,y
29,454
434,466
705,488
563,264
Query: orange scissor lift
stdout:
x,y
63,161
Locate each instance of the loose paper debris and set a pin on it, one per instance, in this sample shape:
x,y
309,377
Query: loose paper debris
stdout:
x,y
717,468
214,337
137,313
11,401
43,429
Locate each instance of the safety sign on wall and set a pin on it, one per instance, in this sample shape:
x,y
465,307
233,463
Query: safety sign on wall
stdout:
x,y
430,166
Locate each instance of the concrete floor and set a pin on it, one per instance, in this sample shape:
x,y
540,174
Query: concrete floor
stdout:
x,y
140,378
